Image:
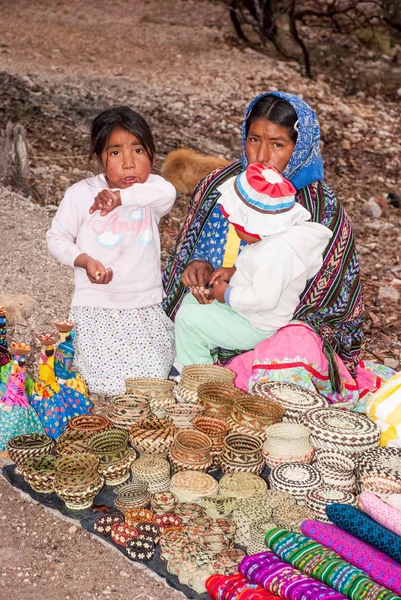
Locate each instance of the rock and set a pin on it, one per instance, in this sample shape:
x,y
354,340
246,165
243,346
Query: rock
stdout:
x,y
394,199
346,145
399,92
19,307
392,363
371,209
389,293
72,529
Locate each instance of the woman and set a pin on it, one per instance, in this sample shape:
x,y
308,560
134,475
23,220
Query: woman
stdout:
x,y
282,131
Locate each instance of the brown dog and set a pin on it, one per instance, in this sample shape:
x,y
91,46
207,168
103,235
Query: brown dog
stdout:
x,y
185,167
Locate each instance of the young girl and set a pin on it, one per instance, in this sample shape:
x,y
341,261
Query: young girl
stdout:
x,y
121,328
284,250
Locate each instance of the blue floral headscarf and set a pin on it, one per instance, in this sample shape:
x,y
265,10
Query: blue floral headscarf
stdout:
x,y
305,165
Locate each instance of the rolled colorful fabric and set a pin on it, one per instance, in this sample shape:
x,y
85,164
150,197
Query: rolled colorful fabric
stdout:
x,y
363,527
377,565
236,587
282,579
325,566
381,512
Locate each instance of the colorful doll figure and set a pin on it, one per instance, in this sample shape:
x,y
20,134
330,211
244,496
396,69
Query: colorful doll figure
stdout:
x,y
64,357
55,403
6,361
17,416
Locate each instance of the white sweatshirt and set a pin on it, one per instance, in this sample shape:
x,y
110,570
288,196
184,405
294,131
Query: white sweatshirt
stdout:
x,y
127,240
272,274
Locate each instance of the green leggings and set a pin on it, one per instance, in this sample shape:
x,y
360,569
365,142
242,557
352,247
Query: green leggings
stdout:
x,y
199,328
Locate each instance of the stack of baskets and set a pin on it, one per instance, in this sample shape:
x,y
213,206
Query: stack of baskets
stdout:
x,y
218,507
153,436
218,398
160,392
192,486
39,472
257,533
318,499
337,469
242,453
77,480
152,470
192,376
296,478
163,502
132,496
191,450
89,423
111,448
217,430
379,471
287,443
26,446
295,399
126,410
252,414
182,414
336,429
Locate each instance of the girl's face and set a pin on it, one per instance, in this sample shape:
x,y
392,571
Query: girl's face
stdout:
x,y
268,144
125,160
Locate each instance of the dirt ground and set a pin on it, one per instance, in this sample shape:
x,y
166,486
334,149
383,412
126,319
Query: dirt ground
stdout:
x,y
176,63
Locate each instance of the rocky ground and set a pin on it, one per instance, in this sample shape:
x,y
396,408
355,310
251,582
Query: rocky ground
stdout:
x,y
177,64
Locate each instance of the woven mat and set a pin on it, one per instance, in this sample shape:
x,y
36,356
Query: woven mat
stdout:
x,y
86,519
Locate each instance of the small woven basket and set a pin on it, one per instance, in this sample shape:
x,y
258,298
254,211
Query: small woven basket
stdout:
x,y
318,499
115,458
163,502
27,446
287,443
152,470
216,430
191,450
182,415
192,376
73,442
257,412
192,486
77,469
152,387
295,400
242,453
126,410
218,507
153,436
257,533
79,497
89,423
132,495
39,472
242,485
218,398
296,478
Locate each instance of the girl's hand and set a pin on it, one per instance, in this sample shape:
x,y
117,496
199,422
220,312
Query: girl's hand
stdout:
x,y
95,270
219,287
106,201
203,297
224,273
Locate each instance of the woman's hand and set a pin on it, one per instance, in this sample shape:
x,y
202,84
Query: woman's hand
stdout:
x,y
197,274
219,287
95,270
224,273
106,201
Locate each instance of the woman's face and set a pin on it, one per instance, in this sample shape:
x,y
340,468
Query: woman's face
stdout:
x,y
268,144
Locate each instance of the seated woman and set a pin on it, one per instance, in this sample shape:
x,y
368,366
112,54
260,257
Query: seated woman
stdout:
x,y
280,130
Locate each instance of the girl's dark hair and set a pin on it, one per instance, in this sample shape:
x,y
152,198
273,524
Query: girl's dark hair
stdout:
x,y
276,110
120,117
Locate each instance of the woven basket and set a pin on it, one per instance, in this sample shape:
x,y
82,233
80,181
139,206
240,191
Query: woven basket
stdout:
x,y
379,471
218,506
287,443
182,415
115,458
337,469
39,472
242,485
27,446
77,469
132,495
257,533
192,376
242,453
256,412
296,400
153,436
192,486
73,442
216,430
79,498
218,398
152,387
126,410
89,423
152,470
380,486
291,517
191,450
318,499
163,502
296,479
274,461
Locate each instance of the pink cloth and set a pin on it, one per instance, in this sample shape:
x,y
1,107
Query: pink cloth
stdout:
x,y
381,512
294,354
376,564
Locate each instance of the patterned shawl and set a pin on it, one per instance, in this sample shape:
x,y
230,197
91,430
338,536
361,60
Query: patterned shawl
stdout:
x,y
332,301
